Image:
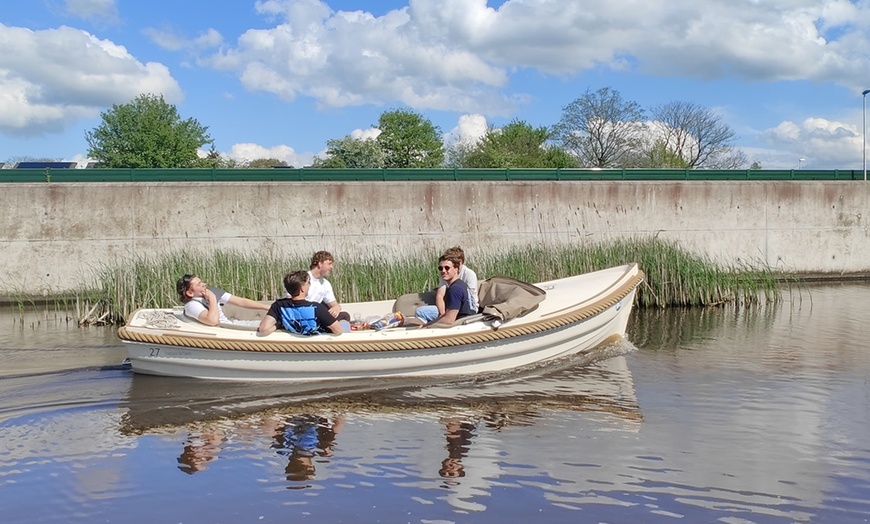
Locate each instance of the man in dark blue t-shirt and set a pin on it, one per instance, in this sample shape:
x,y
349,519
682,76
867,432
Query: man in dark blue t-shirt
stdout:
x,y
297,315
456,300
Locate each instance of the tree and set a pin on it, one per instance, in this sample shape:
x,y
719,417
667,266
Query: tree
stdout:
x,y
352,153
409,140
146,132
659,156
516,145
697,136
600,128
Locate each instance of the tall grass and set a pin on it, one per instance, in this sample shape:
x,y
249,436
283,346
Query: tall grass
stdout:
x,y
674,276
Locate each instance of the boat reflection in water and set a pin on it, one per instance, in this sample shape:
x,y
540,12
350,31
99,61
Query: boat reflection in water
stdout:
x,y
302,427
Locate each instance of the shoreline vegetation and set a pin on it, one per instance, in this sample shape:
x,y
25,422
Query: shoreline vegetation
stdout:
x,y
674,276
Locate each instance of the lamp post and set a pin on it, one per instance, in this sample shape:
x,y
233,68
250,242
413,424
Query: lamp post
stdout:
x,y
801,163
864,126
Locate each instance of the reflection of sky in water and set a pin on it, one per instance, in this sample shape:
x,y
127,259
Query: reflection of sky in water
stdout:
x,y
748,416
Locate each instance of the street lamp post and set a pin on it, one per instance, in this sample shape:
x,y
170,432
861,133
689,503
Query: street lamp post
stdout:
x,y
801,163
864,126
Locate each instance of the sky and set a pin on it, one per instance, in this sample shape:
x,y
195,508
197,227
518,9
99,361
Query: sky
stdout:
x,y
278,78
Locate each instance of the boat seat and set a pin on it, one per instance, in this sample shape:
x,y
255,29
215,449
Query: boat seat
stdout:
x,y
407,304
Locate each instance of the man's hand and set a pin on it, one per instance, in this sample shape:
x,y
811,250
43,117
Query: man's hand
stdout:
x,y
335,310
209,296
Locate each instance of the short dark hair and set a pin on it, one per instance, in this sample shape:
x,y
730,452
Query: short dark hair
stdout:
x,y
182,286
294,280
320,256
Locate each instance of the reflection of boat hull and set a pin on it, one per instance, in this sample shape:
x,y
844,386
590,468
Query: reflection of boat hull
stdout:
x,y
579,313
581,384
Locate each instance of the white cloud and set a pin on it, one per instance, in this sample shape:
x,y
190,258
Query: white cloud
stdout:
x,y
53,77
825,144
351,58
93,9
468,130
172,41
370,133
246,152
458,55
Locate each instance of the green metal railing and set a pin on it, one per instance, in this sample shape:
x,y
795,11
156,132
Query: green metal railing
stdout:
x,y
388,175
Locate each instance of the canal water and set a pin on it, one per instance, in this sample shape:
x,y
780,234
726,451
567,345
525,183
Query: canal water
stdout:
x,y
709,415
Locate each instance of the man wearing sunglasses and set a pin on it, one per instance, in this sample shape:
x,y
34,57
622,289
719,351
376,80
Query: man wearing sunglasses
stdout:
x,y
431,312
456,300
203,303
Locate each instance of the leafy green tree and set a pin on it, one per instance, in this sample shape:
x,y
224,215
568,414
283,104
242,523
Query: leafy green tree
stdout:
x,y
516,145
659,156
147,132
352,153
601,129
409,140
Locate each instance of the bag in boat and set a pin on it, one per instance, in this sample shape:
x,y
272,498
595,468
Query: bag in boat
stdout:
x,y
505,298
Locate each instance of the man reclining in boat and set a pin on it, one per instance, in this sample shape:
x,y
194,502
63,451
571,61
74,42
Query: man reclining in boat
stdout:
x,y
204,304
297,315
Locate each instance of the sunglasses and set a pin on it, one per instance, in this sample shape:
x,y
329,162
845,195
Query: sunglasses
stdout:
x,y
445,268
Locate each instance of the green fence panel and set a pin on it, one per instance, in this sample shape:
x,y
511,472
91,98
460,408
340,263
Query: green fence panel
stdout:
x,y
24,175
483,174
435,174
532,174
341,175
419,174
655,174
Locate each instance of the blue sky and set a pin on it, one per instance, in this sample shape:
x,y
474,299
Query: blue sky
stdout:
x,y
278,78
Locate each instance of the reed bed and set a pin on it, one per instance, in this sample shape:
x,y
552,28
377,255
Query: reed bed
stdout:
x,y
674,276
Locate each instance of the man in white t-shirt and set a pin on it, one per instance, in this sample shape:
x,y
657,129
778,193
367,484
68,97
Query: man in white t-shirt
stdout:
x,y
321,289
203,304
466,274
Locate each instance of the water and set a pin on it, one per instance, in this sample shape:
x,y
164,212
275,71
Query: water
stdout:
x,y
758,415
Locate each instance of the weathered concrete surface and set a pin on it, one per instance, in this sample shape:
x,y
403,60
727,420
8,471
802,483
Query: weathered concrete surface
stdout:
x,y
52,236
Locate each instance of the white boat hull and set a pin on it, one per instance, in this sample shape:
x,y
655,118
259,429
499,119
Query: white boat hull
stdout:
x,y
195,350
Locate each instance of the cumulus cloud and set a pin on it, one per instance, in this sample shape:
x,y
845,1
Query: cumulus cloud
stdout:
x,y
94,10
53,77
351,58
824,144
172,41
248,151
370,133
468,131
459,55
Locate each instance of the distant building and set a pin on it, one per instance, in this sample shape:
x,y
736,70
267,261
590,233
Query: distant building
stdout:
x,y
44,165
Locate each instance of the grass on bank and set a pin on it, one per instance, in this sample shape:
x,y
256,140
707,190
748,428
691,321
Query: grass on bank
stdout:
x,y
674,276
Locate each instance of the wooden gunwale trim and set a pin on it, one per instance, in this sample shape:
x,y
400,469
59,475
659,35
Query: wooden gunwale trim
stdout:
x,y
505,332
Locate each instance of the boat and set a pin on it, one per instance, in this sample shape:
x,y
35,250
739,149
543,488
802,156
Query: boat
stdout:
x,y
565,317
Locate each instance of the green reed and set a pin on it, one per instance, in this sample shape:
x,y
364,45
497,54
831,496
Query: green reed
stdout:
x,y
674,276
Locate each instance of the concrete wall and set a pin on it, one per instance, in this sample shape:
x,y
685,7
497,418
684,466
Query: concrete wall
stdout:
x,y
52,236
